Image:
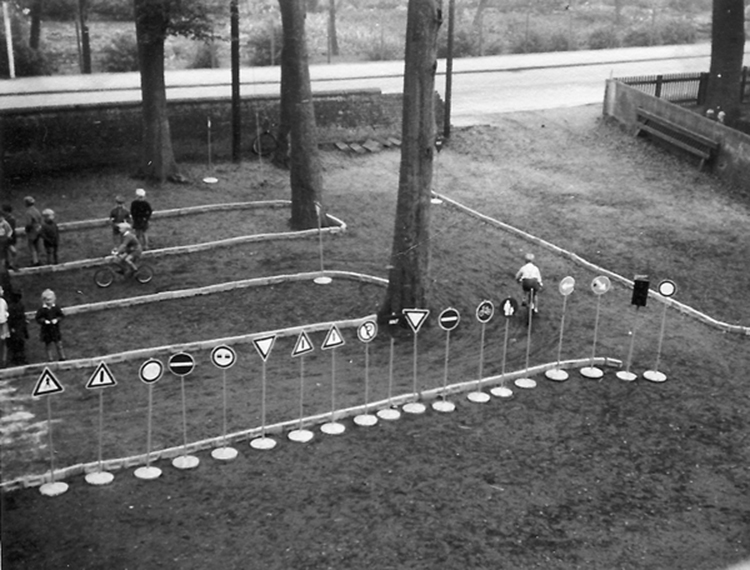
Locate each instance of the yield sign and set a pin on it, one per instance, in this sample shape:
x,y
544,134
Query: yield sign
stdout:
x,y
333,339
264,345
101,378
415,318
303,345
47,384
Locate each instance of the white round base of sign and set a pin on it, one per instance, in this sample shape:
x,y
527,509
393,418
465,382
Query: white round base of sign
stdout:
x,y
366,420
147,473
591,372
478,397
415,408
525,383
263,443
557,374
333,428
436,201
224,453
322,280
389,414
654,376
210,180
99,478
53,489
626,375
443,406
301,435
185,462
501,392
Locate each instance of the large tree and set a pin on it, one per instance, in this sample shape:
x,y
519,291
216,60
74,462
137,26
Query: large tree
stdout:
x,y
727,52
409,271
306,177
154,20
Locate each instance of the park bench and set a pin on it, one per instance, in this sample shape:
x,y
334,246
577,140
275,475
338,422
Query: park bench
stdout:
x,y
676,135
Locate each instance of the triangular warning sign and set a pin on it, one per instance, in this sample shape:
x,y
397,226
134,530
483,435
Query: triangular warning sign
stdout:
x,y
333,339
264,345
101,378
47,384
303,345
415,318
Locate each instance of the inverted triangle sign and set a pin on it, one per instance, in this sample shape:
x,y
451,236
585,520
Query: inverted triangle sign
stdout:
x,y
303,345
47,384
416,318
333,339
101,378
264,345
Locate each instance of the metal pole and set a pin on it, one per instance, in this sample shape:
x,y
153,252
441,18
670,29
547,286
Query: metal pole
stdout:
x,y
236,120
449,71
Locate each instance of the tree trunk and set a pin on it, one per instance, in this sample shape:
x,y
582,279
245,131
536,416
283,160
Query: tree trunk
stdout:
x,y
305,171
409,271
35,32
727,51
83,13
333,40
158,156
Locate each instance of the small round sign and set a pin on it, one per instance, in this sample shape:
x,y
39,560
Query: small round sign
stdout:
x,y
667,288
567,285
367,331
600,285
449,319
151,371
509,307
485,311
223,357
181,364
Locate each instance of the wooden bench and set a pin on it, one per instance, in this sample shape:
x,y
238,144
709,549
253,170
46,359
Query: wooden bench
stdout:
x,y
676,135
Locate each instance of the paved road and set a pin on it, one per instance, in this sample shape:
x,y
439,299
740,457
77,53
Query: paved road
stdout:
x,y
481,86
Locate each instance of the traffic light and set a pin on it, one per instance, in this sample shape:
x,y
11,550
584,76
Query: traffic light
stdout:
x,y
640,290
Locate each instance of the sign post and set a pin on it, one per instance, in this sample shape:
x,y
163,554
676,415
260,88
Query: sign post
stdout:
x,y
101,378
509,307
567,285
600,285
332,341
527,382
415,318
484,313
264,346
391,412
666,289
366,332
46,386
182,364
301,347
224,357
448,321
321,279
149,373
640,297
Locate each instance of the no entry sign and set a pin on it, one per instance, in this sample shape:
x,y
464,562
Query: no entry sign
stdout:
x,y
449,319
181,364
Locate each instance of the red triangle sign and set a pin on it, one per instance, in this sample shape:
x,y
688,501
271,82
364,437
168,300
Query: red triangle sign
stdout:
x,y
47,384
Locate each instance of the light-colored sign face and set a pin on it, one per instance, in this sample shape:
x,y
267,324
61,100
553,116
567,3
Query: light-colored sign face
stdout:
x,y
485,311
367,331
415,318
264,345
47,384
303,345
667,288
223,357
333,339
449,319
101,378
151,371
181,364
509,307
567,285
600,285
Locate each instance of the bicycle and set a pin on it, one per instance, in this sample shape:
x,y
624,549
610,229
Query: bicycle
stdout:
x,y
264,144
106,275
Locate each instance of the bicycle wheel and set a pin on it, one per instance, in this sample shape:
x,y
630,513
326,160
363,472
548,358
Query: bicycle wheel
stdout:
x,y
144,274
104,277
264,144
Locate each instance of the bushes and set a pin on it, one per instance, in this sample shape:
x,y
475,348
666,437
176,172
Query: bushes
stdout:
x,y
206,56
262,41
121,54
27,62
603,38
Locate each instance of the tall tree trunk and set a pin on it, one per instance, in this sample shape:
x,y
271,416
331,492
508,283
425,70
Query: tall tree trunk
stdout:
x,y
409,272
83,15
727,51
35,33
305,171
158,156
333,40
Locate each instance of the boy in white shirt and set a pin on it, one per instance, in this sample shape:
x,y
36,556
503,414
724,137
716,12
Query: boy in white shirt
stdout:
x,y
531,279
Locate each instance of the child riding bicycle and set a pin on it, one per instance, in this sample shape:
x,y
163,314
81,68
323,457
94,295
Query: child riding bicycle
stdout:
x,y
531,280
129,251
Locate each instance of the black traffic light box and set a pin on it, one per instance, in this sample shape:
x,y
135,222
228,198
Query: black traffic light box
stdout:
x,y
640,290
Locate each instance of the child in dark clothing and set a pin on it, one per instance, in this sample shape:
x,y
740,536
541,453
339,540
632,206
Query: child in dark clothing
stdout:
x,y
49,316
118,215
50,234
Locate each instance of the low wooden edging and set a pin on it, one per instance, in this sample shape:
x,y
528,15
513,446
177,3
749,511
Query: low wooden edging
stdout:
x,y
279,428
681,307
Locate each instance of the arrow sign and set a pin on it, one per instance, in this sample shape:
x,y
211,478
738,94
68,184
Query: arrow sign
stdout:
x,y
449,319
151,371
567,285
367,331
303,345
101,378
415,318
264,345
223,357
181,364
485,311
600,285
510,307
47,384
333,339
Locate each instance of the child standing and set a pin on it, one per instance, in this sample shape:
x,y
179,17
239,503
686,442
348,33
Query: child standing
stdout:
x,y
141,212
49,316
50,234
118,215
4,330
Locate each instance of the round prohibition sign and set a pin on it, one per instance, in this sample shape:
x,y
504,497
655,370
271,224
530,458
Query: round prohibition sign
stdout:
x,y
485,311
367,331
223,357
449,319
667,288
150,371
181,364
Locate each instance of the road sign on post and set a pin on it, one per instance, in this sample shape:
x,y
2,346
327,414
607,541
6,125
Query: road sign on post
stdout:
x,y
485,311
223,357
47,384
449,319
150,371
181,364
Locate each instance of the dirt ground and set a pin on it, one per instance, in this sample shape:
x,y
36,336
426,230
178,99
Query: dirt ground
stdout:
x,y
581,474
